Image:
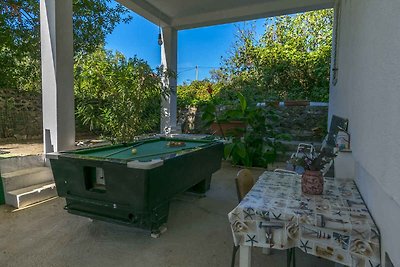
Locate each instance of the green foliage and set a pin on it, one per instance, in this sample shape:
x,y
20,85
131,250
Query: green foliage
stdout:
x,y
20,36
117,97
255,145
259,145
290,61
314,162
195,93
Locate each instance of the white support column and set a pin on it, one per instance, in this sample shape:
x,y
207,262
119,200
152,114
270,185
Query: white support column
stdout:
x,y
169,61
57,74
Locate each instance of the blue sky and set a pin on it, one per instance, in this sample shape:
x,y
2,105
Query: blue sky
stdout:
x,y
202,46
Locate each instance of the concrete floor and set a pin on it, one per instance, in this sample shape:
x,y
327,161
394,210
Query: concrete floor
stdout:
x,y
198,235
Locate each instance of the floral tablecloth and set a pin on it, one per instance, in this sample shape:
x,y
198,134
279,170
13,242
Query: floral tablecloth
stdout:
x,y
335,225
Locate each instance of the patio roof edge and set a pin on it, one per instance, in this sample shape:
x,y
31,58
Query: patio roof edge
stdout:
x,y
148,11
240,14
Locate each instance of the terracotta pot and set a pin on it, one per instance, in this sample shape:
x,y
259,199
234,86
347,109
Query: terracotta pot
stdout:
x,y
273,104
297,103
228,128
312,183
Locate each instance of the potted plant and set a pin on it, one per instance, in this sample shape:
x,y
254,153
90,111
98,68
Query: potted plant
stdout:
x,y
222,120
253,141
312,181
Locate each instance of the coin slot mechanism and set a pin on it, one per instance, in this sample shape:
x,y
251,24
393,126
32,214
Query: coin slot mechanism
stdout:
x,y
95,180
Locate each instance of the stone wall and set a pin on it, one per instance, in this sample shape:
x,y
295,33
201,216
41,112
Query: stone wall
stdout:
x,y
20,114
302,123
21,118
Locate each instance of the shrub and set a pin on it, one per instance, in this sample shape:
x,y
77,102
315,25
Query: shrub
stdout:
x,y
116,97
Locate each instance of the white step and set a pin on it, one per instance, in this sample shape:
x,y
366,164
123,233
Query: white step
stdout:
x,y
17,163
26,177
29,195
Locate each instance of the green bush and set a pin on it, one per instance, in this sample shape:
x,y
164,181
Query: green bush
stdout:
x,y
290,61
116,97
258,144
195,93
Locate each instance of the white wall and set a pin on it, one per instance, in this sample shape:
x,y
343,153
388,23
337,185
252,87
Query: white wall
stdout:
x,y
368,94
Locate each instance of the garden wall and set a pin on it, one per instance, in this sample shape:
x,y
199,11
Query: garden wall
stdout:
x,y
20,114
304,121
21,117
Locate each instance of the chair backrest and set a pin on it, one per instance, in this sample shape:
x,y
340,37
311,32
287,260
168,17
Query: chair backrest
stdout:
x,y
244,182
337,124
305,149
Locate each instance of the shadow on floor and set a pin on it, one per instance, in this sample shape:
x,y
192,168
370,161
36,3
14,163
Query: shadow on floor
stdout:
x,y
198,235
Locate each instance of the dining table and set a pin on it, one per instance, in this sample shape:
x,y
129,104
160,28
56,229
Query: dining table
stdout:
x,y
335,225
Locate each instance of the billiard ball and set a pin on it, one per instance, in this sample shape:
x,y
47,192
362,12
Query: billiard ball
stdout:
x,y
134,151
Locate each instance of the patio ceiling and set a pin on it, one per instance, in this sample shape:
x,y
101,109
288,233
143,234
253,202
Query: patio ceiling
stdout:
x,y
187,14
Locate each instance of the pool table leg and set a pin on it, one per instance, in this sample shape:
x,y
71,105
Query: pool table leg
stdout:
x,y
157,233
202,187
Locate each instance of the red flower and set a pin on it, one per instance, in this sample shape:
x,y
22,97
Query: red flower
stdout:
x,y
209,89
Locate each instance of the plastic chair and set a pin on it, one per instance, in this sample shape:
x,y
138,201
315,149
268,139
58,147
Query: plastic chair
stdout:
x,y
305,149
244,182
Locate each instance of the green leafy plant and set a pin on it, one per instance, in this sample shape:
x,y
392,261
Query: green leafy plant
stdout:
x,y
254,145
93,20
195,93
313,162
212,112
116,97
259,145
290,61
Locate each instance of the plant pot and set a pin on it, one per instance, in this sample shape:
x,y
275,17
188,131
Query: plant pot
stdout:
x,y
297,103
312,183
228,128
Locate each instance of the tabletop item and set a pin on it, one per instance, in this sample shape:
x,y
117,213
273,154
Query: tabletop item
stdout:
x,y
312,182
133,183
336,225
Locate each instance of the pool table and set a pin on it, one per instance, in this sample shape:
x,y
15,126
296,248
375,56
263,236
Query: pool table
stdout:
x,y
134,183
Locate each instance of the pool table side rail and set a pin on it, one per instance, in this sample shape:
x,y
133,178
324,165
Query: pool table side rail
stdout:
x,y
107,147
75,154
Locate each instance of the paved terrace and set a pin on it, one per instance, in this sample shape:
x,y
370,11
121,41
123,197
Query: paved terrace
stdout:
x,y
198,235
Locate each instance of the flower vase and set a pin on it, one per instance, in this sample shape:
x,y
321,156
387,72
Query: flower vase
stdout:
x,y
312,183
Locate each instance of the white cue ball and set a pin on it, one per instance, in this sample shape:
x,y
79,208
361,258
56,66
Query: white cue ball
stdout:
x,y
134,151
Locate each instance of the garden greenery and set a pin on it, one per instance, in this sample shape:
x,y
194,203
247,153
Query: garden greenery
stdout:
x,y
290,61
93,20
117,97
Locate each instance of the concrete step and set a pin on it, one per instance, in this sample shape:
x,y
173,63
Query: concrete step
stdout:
x,y
18,163
26,177
32,194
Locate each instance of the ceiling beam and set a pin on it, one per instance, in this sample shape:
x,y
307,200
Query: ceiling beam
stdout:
x,y
250,12
148,11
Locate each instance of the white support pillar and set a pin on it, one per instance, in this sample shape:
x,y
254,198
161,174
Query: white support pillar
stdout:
x,y
57,74
169,61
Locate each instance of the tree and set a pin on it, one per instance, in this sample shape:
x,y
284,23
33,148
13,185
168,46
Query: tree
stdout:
x,y
116,97
20,36
290,61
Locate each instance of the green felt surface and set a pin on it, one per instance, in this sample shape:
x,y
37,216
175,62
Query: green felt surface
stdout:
x,y
144,151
